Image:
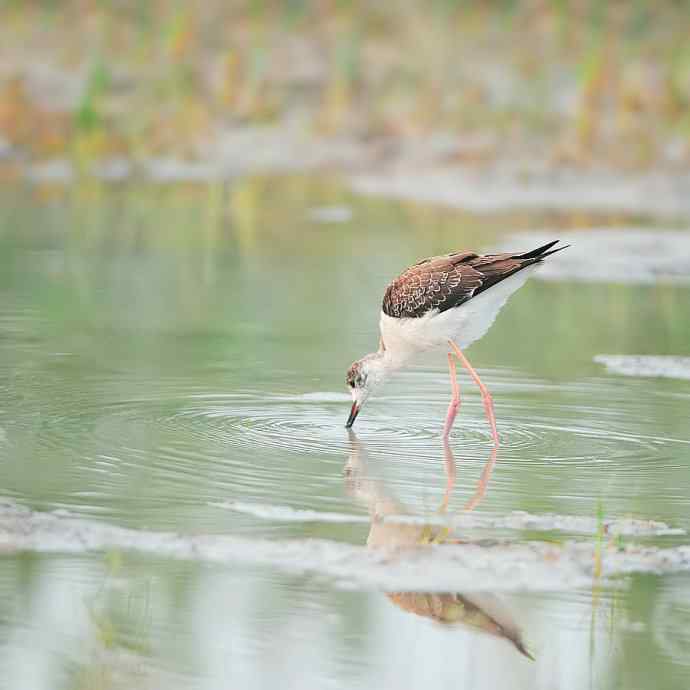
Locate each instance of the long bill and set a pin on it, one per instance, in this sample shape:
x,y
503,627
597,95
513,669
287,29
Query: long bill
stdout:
x,y
353,415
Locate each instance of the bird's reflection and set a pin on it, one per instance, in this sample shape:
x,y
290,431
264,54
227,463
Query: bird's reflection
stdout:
x,y
478,611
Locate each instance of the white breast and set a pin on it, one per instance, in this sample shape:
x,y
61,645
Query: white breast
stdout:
x,y
465,324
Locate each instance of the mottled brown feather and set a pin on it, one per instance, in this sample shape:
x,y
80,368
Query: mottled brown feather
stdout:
x,y
444,282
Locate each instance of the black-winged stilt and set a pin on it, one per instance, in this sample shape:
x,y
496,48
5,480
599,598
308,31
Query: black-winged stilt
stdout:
x,y
445,301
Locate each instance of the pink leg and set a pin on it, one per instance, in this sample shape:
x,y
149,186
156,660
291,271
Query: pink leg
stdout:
x,y
486,396
455,399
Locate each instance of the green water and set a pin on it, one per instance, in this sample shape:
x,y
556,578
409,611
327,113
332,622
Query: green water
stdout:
x,y
168,352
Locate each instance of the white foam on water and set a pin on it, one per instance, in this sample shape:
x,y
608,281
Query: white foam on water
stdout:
x,y
628,256
507,186
330,214
516,520
659,366
287,514
526,566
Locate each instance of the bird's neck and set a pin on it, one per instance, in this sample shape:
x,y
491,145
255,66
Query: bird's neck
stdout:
x,y
394,360
386,364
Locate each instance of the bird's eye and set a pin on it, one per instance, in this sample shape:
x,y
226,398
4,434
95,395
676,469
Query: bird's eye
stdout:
x,y
351,384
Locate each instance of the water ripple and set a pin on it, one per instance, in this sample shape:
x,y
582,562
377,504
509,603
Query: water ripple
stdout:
x,y
179,441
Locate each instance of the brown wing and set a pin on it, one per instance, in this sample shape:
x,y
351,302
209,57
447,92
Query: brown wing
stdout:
x,y
444,282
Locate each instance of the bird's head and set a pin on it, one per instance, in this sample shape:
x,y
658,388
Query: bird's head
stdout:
x,y
362,378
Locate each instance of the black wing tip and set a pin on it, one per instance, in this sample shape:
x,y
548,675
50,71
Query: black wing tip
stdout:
x,y
541,252
553,251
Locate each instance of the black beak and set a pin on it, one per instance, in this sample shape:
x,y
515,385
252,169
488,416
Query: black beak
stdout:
x,y
353,415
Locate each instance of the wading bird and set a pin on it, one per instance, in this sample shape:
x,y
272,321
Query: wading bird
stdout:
x,y
442,302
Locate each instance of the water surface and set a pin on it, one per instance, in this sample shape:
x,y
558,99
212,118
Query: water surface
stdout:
x,y
172,363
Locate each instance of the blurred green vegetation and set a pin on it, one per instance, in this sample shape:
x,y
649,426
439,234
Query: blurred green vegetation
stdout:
x,y
132,244
574,81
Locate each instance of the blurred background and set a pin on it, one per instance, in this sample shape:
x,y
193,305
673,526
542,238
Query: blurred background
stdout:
x,y
347,84
200,206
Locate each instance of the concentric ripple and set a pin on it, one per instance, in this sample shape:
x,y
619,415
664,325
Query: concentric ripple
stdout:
x,y
564,432
167,441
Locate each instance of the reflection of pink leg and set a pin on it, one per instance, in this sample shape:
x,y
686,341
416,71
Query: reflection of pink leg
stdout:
x,y
483,482
455,399
486,396
442,536
450,475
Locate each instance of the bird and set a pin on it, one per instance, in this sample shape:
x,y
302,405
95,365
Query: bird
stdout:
x,y
442,302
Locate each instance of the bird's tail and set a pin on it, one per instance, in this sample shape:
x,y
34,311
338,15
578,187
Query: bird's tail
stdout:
x,y
541,252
